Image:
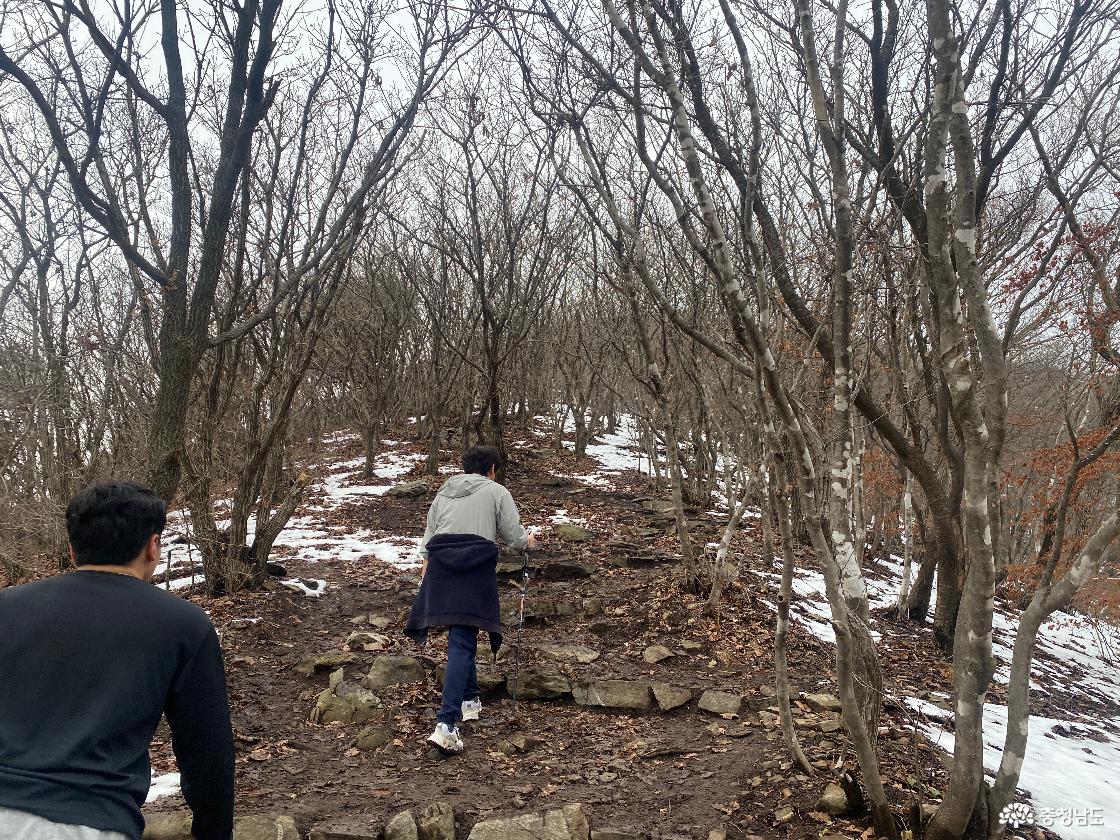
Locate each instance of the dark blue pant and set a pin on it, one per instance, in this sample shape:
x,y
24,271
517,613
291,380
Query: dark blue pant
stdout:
x,y
460,680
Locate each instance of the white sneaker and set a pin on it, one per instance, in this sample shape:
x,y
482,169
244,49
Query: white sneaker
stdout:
x,y
446,740
472,709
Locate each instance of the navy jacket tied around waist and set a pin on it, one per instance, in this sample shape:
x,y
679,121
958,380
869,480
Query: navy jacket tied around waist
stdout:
x,y
459,587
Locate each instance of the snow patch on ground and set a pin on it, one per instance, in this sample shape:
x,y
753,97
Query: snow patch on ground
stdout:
x,y
561,518
308,586
616,452
1072,775
165,785
390,550
1072,766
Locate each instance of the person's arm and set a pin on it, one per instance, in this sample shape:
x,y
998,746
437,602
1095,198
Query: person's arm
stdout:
x,y
429,532
201,735
509,523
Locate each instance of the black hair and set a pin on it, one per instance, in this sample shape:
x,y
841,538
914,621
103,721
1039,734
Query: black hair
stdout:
x,y
480,459
109,523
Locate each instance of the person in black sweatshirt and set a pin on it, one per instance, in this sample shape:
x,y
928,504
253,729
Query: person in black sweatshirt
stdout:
x,y
89,661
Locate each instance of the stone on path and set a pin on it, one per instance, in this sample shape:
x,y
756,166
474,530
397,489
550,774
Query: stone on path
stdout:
x,y
570,653
339,832
541,684
720,702
177,826
670,697
616,834
410,489
572,533
567,823
828,725
436,822
490,679
549,569
378,622
173,826
394,670
833,800
656,653
401,827
347,703
614,694
373,737
783,815
822,702
690,646
365,640
324,662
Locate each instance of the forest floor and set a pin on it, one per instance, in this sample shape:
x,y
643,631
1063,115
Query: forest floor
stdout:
x,y
351,564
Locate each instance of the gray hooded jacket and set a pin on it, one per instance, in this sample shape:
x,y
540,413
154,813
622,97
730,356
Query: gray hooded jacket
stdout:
x,y
473,504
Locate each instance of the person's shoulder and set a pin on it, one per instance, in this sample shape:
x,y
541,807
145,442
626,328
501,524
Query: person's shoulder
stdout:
x,y
180,608
31,589
499,490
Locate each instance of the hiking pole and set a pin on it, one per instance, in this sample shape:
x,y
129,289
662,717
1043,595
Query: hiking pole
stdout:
x,y
520,624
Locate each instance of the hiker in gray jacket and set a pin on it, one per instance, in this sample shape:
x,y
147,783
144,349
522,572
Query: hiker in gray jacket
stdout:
x,y
472,503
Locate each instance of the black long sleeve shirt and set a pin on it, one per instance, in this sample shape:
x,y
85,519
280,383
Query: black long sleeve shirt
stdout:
x,y
88,662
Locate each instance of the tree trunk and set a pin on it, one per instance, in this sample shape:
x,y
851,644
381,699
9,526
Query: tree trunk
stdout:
x,y
907,551
723,569
436,421
691,577
778,508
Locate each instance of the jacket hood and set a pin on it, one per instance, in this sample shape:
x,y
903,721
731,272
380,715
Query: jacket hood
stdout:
x,y
462,485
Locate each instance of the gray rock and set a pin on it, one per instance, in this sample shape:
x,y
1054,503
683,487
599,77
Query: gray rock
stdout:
x,y
720,702
265,827
670,697
690,646
373,737
410,489
394,670
436,822
490,679
541,684
567,823
822,702
570,653
572,533
177,826
614,694
365,640
592,606
519,742
783,815
833,800
401,827
616,834
565,570
347,703
324,662
333,831
656,653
